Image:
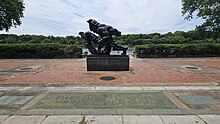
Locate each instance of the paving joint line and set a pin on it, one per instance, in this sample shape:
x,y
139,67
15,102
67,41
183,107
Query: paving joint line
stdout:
x,y
162,119
122,117
201,119
44,119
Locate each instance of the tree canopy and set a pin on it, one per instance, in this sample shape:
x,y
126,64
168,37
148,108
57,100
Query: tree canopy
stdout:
x,y
11,12
178,37
209,10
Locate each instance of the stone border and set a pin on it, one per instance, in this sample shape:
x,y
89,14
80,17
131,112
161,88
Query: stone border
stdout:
x,y
110,88
110,112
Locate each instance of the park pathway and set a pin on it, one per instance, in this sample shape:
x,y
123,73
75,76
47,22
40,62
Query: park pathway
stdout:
x,y
154,91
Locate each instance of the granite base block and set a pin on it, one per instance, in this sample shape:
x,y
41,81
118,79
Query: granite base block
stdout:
x,y
107,63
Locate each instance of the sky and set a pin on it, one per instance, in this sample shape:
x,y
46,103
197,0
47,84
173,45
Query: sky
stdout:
x,y
68,17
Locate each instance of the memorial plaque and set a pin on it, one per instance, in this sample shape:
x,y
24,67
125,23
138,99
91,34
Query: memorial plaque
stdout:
x,y
199,100
14,100
104,101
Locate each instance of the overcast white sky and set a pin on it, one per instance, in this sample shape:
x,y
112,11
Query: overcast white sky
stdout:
x,y
68,17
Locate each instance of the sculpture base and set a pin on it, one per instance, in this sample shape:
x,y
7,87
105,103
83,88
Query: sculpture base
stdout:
x,y
107,63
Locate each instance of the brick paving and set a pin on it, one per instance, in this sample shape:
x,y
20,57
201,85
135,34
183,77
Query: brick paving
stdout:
x,y
159,71
195,92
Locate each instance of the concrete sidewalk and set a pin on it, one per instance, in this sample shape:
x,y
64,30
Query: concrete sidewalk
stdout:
x,y
22,110
112,119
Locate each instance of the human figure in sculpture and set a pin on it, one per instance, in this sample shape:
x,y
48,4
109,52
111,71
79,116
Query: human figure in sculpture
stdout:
x,y
90,38
106,32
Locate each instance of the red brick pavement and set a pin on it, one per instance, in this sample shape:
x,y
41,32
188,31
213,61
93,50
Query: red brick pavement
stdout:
x,y
142,72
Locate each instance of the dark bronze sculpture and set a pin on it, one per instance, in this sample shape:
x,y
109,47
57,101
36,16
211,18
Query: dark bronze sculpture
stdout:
x,y
104,41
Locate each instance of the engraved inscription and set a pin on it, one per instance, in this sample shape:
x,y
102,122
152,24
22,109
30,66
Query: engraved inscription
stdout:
x,y
105,101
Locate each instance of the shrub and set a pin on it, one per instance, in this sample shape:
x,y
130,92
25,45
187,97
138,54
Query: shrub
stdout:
x,y
177,50
39,51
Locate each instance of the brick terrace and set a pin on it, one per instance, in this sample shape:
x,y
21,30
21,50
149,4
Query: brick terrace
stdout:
x,y
159,71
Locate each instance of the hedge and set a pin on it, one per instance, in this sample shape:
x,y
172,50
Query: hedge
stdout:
x,y
177,50
15,51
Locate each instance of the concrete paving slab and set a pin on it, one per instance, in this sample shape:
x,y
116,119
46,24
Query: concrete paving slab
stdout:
x,y
104,112
73,112
134,119
199,111
5,111
79,119
215,87
100,88
167,111
217,112
84,88
104,119
24,120
199,88
65,112
58,88
24,88
83,111
8,88
3,117
130,88
40,112
181,119
63,119
135,112
153,88
36,89
210,119
177,88
19,112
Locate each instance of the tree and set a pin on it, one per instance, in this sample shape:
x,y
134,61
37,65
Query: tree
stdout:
x,y
11,12
209,10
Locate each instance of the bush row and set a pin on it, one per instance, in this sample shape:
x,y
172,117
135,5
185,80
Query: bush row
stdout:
x,y
177,50
13,51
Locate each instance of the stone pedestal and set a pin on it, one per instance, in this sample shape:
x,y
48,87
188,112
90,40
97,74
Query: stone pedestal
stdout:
x,y
107,63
